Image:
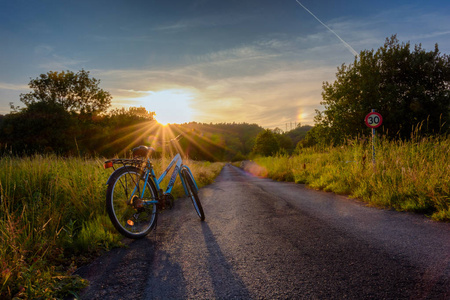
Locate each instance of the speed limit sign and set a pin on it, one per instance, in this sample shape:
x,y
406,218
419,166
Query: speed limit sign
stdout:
x,y
373,120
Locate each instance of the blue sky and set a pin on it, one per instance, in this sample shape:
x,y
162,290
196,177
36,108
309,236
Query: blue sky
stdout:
x,y
250,61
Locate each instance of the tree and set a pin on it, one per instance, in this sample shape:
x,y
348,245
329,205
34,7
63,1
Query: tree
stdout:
x,y
299,133
277,130
75,92
266,143
284,142
136,113
406,87
118,131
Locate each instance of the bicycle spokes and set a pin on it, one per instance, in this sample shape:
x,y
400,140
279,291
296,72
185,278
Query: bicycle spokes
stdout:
x,y
131,203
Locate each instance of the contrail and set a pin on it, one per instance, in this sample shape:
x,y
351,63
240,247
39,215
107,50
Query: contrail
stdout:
x,y
344,42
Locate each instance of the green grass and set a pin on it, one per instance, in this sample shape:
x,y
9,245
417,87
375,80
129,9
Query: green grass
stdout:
x,y
407,176
53,218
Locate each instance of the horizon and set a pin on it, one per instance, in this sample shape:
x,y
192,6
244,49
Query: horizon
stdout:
x,y
257,62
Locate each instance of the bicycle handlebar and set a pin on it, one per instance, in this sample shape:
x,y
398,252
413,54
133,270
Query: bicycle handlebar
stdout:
x,y
179,137
175,139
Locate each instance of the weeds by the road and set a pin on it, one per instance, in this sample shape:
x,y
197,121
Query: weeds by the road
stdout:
x,y
407,176
53,217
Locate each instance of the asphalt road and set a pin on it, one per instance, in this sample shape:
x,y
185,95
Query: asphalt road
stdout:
x,y
270,240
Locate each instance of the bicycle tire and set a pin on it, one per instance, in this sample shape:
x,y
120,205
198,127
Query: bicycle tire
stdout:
x,y
193,194
127,211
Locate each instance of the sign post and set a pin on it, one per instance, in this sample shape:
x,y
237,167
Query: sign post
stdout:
x,y
373,120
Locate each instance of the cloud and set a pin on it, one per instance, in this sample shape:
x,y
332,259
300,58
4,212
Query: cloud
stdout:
x,y
268,97
13,87
43,50
59,62
430,35
205,21
267,81
243,53
50,60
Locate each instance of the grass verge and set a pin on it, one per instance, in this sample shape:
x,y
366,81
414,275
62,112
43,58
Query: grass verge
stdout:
x,y
53,218
407,176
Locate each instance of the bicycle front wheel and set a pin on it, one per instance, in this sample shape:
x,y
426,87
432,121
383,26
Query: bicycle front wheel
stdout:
x,y
131,202
193,194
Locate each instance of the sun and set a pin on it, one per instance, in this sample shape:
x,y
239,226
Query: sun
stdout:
x,y
172,106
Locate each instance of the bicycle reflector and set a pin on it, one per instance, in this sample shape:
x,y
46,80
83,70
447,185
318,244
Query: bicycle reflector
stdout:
x,y
108,164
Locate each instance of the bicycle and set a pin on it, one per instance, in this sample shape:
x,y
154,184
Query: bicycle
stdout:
x,y
134,196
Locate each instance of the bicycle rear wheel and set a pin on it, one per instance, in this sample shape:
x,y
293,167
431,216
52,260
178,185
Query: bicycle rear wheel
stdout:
x,y
193,194
131,207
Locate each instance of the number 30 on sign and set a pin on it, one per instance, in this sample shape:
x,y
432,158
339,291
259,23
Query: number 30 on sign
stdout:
x,y
373,120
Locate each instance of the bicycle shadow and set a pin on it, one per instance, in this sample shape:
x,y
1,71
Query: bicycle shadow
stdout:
x,y
164,278
116,274
226,282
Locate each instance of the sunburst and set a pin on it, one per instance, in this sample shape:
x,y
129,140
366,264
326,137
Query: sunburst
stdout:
x,y
168,140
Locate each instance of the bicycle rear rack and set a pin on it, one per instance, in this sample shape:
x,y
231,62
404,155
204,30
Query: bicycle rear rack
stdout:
x,y
123,162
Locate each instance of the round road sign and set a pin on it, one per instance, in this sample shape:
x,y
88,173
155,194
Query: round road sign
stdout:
x,y
373,120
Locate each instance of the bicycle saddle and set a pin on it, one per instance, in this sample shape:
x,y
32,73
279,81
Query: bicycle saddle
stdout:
x,y
142,151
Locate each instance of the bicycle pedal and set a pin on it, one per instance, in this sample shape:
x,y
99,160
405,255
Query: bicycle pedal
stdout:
x,y
168,200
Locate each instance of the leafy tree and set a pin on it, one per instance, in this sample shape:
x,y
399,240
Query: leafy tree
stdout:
x,y
284,142
406,87
313,137
75,92
277,130
266,143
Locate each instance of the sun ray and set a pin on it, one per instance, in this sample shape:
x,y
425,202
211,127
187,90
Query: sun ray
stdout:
x,y
142,129
196,140
191,137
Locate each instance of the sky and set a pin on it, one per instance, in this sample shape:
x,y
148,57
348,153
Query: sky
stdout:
x,y
253,61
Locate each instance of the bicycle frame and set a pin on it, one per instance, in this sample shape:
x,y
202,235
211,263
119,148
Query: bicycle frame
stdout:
x,y
178,163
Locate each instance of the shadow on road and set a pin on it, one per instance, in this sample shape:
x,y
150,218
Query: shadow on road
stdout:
x,y
221,271
112,276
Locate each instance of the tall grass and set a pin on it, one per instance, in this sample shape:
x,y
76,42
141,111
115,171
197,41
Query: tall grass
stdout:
x,y
204,173
52,217
407,176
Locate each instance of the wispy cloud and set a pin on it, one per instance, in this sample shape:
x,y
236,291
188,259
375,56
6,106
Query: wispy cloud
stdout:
x,y
268,97
13,87
207,21
58,62
43,49
430,35
49,59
